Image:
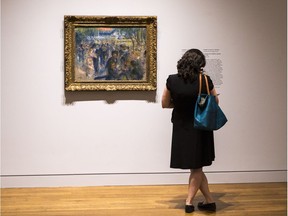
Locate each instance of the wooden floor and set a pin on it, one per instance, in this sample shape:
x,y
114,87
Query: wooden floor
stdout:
x,y
232,199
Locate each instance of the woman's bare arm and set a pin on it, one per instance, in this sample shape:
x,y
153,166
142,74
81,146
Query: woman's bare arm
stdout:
x,y
213,92
166,99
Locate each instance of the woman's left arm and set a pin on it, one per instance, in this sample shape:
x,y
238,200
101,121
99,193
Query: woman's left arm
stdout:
x,y
166,99
213,92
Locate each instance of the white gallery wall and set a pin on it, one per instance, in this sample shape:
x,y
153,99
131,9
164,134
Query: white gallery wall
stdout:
x,y
50,137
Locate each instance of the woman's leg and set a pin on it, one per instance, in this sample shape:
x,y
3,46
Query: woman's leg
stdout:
x,y
195,181
204,188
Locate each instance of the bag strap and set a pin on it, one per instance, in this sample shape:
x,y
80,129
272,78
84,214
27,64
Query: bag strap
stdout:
x,y
207,87
200,84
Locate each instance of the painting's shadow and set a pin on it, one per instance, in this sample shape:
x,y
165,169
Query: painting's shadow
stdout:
x,y
109,96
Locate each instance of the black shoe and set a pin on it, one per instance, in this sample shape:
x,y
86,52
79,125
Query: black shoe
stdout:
x,y
207,207
189,208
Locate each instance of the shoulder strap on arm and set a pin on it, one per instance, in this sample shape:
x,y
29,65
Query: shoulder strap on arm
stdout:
x,y
200,83
207,87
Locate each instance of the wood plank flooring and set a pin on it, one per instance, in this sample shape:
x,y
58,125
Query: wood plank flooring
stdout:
x,y
167,200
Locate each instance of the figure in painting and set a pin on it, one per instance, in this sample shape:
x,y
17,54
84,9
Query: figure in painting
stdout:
x,y
111,66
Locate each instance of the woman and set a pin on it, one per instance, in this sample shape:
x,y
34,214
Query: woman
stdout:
x,y
191,148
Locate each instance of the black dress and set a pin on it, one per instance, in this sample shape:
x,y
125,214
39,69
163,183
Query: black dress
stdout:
x,y
191,148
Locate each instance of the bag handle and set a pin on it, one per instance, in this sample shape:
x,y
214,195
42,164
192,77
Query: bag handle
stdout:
x,y
200,84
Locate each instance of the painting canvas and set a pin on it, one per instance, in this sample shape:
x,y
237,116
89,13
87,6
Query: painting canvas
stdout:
x,y
110,53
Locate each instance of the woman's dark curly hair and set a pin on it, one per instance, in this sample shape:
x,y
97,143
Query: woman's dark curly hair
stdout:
x,y
191,64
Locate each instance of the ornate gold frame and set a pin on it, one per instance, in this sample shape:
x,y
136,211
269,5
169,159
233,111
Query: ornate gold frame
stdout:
x,y
148,23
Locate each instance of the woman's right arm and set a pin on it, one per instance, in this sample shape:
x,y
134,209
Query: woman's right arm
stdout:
x,y
166,99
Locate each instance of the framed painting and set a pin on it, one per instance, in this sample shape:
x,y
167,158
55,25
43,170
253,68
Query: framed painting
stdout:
x,y
110,53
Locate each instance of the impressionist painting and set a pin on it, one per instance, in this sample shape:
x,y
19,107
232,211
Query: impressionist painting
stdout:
x,y
118,53
110,53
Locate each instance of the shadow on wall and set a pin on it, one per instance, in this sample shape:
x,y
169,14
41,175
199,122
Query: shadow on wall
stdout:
x,y
109,96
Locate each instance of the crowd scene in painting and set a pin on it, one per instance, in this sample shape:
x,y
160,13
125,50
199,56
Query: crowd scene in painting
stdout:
x,y
104,60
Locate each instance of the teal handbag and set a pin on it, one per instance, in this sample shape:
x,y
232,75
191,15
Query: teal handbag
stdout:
x,y
207,114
